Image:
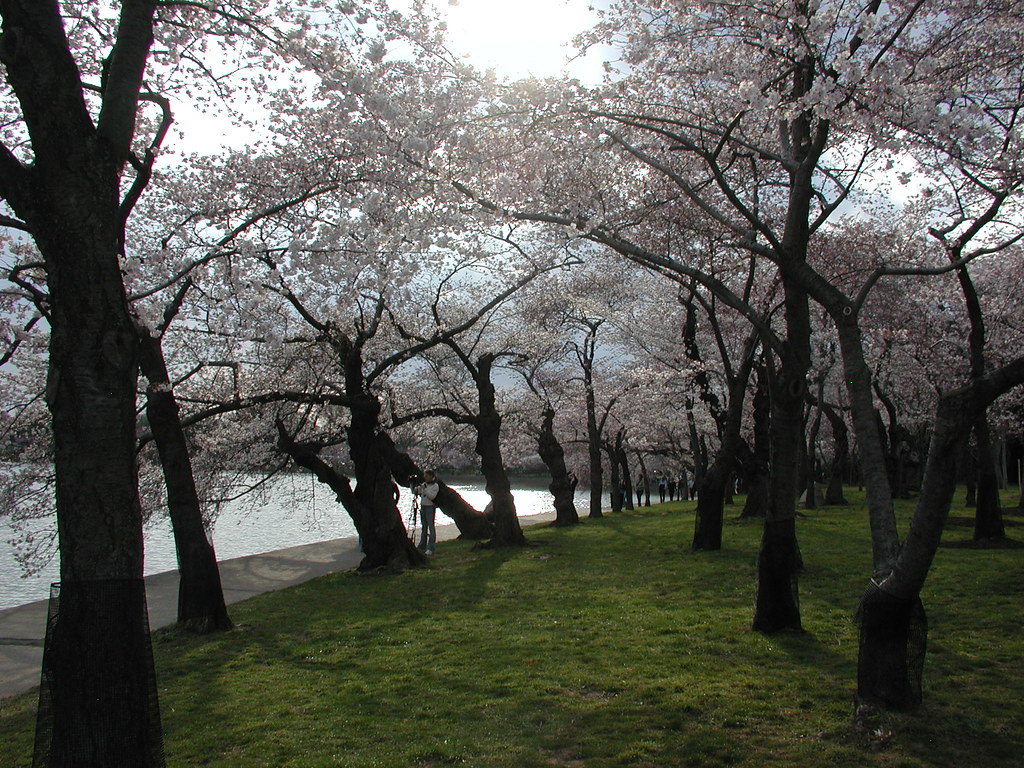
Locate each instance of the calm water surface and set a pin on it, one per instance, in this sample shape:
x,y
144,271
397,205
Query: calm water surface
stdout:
x,y
294,511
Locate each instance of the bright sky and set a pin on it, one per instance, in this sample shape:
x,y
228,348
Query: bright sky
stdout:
x,y
521,37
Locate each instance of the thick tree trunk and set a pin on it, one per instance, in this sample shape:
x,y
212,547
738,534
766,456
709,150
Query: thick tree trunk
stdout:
x,y
201,606
385,542
507,530
888,666
98,699
777,603
890,659
563,482
472,524
707,527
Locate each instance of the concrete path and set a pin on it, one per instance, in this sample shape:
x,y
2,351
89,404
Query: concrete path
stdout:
x,y
22,628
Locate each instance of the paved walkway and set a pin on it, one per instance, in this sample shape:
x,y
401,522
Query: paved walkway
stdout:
x,y
22,628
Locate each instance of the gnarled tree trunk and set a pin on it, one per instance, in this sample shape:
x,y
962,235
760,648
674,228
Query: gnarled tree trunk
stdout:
x,y
385,542
563,482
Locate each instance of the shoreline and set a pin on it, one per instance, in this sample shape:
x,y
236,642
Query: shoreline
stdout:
x,y
23,627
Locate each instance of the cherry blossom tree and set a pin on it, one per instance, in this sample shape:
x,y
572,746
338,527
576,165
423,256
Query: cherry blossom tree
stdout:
x,y
86,107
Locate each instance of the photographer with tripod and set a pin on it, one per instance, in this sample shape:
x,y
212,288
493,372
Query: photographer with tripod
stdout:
x,y
427,491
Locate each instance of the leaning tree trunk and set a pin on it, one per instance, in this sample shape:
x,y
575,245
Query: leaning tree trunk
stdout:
x,y
888,673
472,524
201,606
893,626
563,482
507,531
386,544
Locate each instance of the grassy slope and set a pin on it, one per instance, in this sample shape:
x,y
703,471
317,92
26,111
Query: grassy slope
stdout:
x,y
609,644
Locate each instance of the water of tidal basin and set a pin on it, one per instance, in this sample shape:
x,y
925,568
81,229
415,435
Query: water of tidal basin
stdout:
x,y
292,512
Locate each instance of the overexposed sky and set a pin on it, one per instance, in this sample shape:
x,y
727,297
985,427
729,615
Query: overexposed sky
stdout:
x,y
519,38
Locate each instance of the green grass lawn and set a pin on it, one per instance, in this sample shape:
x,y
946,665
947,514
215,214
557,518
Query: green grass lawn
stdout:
x,y
608,644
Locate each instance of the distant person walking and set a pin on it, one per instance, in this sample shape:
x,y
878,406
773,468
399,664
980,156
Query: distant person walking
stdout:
x,y
427,491
662,488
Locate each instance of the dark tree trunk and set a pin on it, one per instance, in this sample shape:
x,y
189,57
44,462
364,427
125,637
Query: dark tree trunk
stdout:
x,y
97,683
614,480
988,513
201,606
777,604
563,482
707,532
700,459
507,530
837,470
471,523
386,543
594,456
893,630
890,660
757,484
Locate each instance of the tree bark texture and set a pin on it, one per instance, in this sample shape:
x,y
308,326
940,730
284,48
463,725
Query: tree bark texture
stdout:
x,y
893,641
757,484
70,199
385,542
563,482
777,603
881,658
507,530
201,606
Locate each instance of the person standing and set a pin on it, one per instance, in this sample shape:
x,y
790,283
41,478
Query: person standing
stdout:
x,y
427,491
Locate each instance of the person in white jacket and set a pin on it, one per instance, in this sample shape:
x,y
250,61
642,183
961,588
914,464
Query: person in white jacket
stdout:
x,y
427,491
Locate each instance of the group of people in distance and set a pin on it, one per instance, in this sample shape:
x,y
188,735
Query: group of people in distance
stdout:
x,y
666,488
